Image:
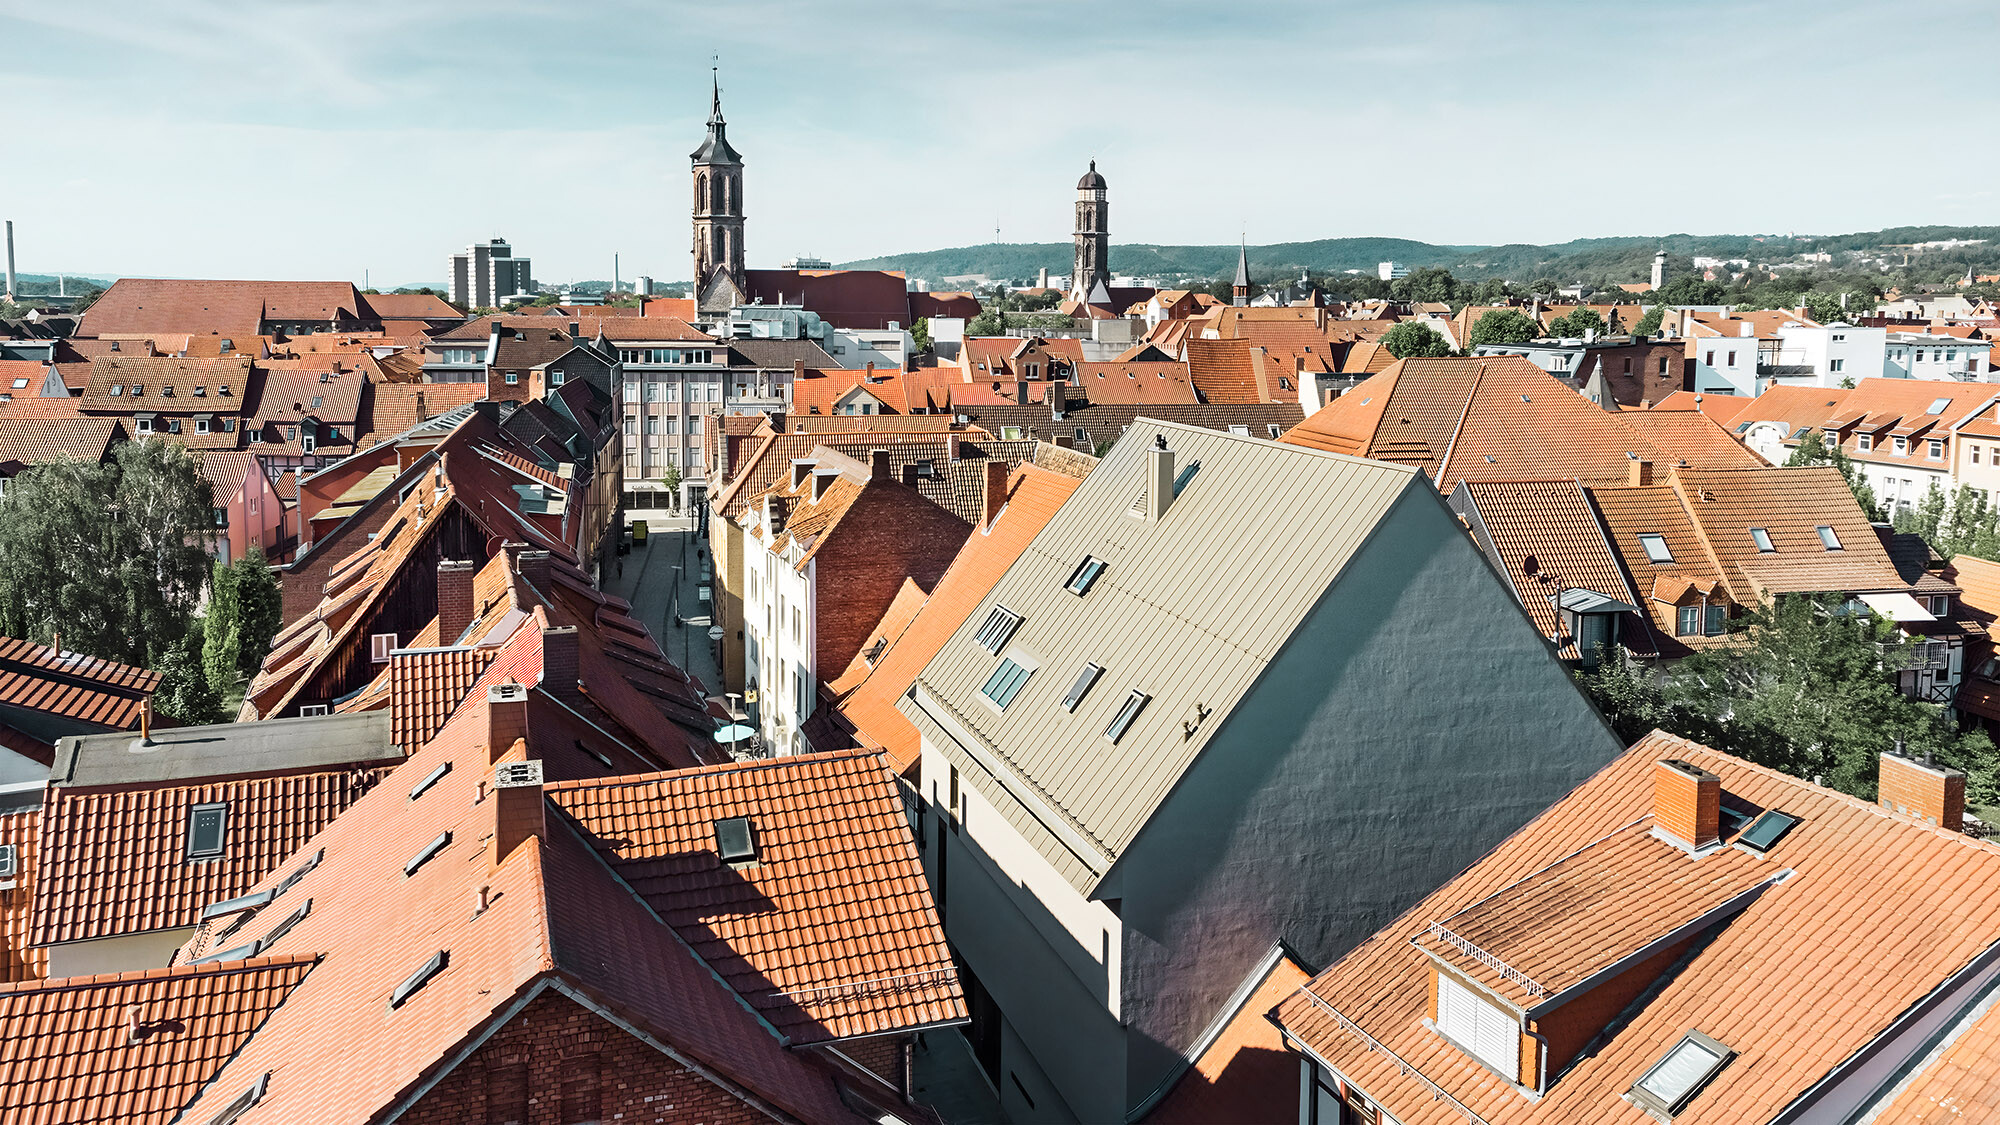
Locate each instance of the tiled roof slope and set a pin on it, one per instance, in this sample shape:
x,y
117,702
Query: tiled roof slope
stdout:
x,y
226,308
830,934
409,306
1877,912
227,382
553,916
1033,496
1960,1084
39,441
1503,418
1544,538
114,860
1789,504
771,459
19,960
36,677
131,1048
427,686
1245,1075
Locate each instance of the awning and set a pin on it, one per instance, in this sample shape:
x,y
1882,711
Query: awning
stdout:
x,y
1897,607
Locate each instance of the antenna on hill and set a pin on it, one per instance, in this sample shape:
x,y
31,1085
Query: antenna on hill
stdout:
x,y
996,228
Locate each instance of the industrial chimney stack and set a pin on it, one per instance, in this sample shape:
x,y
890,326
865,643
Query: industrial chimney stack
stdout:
x,y
10,259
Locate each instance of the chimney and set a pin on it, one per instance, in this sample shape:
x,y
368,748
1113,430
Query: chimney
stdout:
x,y
798,373
559,668
909,476
575,329
1932,794
1058,399
878,465
951,447
1639,473
1159,479
146,721
774,514
534,567
518,811
1020,392
1687,803
802,468
10,259
996,491
454,594
506,718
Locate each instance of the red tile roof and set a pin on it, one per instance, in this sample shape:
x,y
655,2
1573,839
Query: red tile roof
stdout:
x,y
843,298
225,308
1245,1076
131,1048
37,677
409,306
391,408
36,441
830,934
19,959
1544,538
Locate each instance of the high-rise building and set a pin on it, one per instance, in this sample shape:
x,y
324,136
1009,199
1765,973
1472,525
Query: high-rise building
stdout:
x,y
488,273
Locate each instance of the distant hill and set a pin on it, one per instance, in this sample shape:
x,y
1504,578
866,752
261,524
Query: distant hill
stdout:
x,y
1630,258
47,282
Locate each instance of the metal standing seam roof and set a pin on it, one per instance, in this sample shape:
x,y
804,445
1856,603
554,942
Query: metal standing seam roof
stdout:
x,y
1189,611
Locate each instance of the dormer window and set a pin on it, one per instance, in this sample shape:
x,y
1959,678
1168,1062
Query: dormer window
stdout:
x,y
1681,1074
1656,548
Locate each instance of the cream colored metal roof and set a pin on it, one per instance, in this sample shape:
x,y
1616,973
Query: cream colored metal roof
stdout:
x,y
1188,610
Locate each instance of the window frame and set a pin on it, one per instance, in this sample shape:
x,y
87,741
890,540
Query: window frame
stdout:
x,y
1079,689
221,830
1829,538
1127,714
1762,538
1647,540
1653,1102
999,627
378,653
1085,575
1004,685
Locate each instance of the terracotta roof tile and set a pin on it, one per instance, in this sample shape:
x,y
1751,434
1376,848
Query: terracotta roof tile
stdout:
x,y
37,677
1547,539
226,308
41,440
19,959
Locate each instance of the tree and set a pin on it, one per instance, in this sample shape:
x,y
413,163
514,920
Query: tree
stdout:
x,y
260,609
222,634
1824,307
1430,283
1578,322
990,322
184,694
1649,325
920,334
1813,451
670,483
113,557
1503,326
1413,338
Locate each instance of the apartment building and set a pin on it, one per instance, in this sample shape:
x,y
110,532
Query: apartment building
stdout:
x,y
675,380
487,274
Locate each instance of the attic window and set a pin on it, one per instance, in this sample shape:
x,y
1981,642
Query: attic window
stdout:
x,y
420,978
735,840
206,830
1085,575
998,630
1656,548
1763,540
1766,830
7,862
1006,682
430,779
1827,538
1085,680
428,851
1127,713
236,905
20,384
303,869
1186,475
1681,1074
242,1103
285,925
117,390
1938,406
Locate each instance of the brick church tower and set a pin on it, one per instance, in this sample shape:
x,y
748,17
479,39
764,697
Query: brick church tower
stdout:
x,y
1093,237
718,204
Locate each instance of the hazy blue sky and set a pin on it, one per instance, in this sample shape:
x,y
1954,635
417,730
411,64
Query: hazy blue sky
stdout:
x,y
316,140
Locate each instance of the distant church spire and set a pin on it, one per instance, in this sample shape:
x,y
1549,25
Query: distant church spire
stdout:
x,y
1239,293
1093,239
718,205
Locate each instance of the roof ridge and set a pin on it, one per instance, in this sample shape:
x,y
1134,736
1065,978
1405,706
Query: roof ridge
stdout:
x,y
169,972
629,779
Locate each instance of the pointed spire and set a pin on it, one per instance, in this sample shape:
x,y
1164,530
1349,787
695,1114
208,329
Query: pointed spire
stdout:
x,y
715,106
1242,264
715,147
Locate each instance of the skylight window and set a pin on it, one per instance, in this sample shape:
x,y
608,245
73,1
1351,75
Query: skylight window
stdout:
x,y
430,779
1084,575
735,840
236,905
1938,406
1763,539
1005,683
998,629
233,953
285,925
207,830
1767,830
1085,680
1187,474
1127,713
1656,548
1827,538
301,871
428,851
420,978
1677,1078
242,1103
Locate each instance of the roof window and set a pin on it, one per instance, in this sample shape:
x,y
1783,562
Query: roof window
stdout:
x,y
241,1103
1937,407
1127,713
998,629
7,863
285,925
237,905
1085,680
736,840
1005,683
1085,574
1767,830
420,978
1185,475
234,953
207,830
430,779
1827,537
117,390
1674,1081
1762,538
1656,548
301,871
425,855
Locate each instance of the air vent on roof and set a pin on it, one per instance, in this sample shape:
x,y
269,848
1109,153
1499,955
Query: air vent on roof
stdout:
x,y
421,977
518,775
735,840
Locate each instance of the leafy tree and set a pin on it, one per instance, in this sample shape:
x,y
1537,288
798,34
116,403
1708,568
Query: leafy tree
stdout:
x,y
1413,338
222,634
990,322
1824,307
1813,451
670,483
260,609
920,334
1649,325
1429,283
184,694
111,556
1632,698
1577,322
1503,326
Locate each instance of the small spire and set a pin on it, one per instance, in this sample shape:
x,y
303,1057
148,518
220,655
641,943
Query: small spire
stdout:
x,y
1093,165
715,105
1242,263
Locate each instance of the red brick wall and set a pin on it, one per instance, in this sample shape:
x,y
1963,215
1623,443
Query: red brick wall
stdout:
x,y
1645,382
891,533
301,585
883,1056
1688,806
557,1063
1570,1027
1929,793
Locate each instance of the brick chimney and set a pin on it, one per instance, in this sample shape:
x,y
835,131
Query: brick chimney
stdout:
x,y
878,465
910,476
1020,392
506,718
1639,473
1932,794
1058,399
559,663
996,491
534,566
454,594
519,815
798,372
1687,802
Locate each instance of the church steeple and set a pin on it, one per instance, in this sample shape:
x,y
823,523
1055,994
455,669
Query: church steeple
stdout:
x,y
1093,237
1239,292
718,200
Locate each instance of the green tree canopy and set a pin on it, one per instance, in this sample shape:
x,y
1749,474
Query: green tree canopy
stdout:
x,y
184,695
1411,338
990,322
1577,322
1813,451
1429,283
1649,324
1503,326
920,334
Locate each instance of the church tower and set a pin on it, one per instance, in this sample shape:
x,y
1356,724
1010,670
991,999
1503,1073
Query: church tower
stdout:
x,y
1093,237
718,204
1239,290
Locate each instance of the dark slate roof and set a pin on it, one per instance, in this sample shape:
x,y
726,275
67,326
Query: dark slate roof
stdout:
x,y
774,354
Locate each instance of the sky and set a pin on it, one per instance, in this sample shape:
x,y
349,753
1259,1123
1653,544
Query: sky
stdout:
x,y
310,140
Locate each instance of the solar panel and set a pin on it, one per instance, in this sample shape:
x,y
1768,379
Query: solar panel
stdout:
x,y
1766,830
